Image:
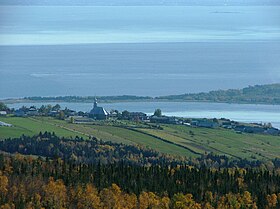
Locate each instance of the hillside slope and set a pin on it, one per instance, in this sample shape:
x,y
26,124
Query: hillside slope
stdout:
x,y
263,94
176,140
258,94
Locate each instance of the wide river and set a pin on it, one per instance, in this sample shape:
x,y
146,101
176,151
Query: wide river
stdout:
x,y
146,50
237,112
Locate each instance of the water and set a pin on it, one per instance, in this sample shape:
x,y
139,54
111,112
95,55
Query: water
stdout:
x,y
52,51
237,112
108,24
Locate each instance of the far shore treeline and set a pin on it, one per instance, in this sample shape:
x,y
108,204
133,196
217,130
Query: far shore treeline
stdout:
x,y
258,94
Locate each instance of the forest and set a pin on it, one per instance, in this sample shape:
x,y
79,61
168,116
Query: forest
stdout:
x,y
258,94
47,171
79,150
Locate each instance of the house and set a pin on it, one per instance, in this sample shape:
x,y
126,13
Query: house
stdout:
x,y
5,124
3,113
32,111
53,113
204,123
164,119
98,113
113,114
272,131
254,129
159,119
138,116
249,129
69,112
20,113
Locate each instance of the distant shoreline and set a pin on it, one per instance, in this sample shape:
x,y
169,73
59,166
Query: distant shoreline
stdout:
x,y
18,101
259,94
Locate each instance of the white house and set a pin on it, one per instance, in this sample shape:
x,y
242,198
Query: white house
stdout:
x,y
3,113
5,124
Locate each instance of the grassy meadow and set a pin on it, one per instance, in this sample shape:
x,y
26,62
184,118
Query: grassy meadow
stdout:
x,y
170,139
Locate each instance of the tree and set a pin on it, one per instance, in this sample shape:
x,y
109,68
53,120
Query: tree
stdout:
x,y
247,200
143,200
72,120
35,202
3,107
8,206
164,203
55,194
272,201
129,201
181,201
158,113
3,186
61,115
125,114
111,197
56,107
89,199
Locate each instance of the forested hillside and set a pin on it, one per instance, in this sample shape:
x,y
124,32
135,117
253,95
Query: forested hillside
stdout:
x,y
258,94
263,94
53,183
93,151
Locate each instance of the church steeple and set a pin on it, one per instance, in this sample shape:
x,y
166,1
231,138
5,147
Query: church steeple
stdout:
x,y
95,103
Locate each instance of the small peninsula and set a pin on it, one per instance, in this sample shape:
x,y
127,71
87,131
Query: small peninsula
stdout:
x,y
258,94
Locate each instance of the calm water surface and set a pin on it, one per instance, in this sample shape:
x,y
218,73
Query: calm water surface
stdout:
x,y
238,112
51,51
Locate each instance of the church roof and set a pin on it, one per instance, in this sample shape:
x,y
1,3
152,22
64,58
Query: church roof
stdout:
x,y
99,111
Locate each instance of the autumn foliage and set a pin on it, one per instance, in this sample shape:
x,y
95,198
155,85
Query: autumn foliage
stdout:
x,y
73,174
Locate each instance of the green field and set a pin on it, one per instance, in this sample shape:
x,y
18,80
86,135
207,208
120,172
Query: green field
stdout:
x,y
30,127
172,139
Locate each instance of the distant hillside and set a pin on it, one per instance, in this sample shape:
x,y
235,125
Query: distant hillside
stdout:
x,y
261,94
258,94
90,99
139,2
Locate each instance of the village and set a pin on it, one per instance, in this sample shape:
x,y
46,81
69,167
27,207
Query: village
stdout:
x,y
99,113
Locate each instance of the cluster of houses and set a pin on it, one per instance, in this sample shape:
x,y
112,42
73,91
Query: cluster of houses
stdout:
x,y
33,111
100,113
259,129
249,128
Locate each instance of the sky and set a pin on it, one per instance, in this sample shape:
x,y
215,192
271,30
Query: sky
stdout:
x,y
140,2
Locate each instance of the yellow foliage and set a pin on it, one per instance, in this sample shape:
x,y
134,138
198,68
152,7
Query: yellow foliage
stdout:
x,y
55,194
164,203
272,201
143,200
8,206
208,206
89,198
3,184
111,197
182,201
